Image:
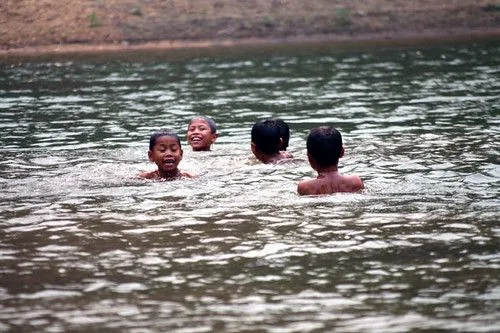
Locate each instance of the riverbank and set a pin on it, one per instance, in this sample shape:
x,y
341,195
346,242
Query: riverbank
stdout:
x,y
54,27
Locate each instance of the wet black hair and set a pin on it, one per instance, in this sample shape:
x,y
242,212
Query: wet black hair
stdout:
x,y
163,132
211,123
324,144
284,132
266,136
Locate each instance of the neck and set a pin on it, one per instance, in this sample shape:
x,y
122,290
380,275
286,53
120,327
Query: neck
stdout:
x,y
322,171
169,175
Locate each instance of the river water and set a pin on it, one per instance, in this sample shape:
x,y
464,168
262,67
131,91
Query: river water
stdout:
x,y
88,247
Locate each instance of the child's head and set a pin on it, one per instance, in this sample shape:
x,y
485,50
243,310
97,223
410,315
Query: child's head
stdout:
x,y
201,133
324,146
165,150
265,137
284,133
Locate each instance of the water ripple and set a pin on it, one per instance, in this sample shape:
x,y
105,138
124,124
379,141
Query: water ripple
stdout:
x,y
86,245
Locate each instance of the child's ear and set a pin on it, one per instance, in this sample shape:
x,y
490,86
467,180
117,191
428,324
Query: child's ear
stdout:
x,y
150,155
214,137
311,160
253,147
342,152
182,153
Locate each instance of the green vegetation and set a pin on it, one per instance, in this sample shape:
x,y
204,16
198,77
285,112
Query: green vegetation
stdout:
x,y
343,16
204,10
94,21
491,8
268,22
136,11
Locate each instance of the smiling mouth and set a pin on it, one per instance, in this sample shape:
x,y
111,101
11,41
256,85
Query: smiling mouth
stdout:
x,y
196,139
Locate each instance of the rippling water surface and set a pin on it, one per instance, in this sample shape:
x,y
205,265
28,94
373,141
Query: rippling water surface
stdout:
x,y
87,247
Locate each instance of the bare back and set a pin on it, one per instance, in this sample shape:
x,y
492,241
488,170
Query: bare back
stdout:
x,y
328,183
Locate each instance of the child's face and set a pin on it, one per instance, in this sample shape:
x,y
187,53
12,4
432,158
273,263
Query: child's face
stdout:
x,y
166,154
199,135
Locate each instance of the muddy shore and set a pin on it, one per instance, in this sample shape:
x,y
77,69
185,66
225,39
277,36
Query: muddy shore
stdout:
x,y
56,28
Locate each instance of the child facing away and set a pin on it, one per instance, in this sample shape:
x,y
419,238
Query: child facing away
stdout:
x,y
324,149
284,135
201,133
266,142
166,152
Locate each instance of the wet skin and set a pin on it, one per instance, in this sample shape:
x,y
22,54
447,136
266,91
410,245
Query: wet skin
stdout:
x,y
200,136
166,154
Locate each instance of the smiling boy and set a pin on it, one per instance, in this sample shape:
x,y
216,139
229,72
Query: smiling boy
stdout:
x,y
201,133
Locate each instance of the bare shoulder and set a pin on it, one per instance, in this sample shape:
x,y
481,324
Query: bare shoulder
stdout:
x,y
329,185
154,175
148,175
355,182
188,175
306,187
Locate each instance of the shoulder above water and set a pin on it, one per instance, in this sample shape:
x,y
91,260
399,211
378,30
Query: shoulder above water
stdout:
x,y
155,175
329,185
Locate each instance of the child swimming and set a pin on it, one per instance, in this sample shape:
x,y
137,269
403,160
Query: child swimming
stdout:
x,y
201,133
324,148
166,152
284,136
266,142
284,133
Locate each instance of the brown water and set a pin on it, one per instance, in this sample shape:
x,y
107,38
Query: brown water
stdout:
x,y
86,247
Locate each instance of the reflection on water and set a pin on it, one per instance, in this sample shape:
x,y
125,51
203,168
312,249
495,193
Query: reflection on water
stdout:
x,y
88,247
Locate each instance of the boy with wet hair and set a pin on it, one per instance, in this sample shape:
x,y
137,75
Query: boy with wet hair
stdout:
x,y
266,142
201,133
324,149
166,152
